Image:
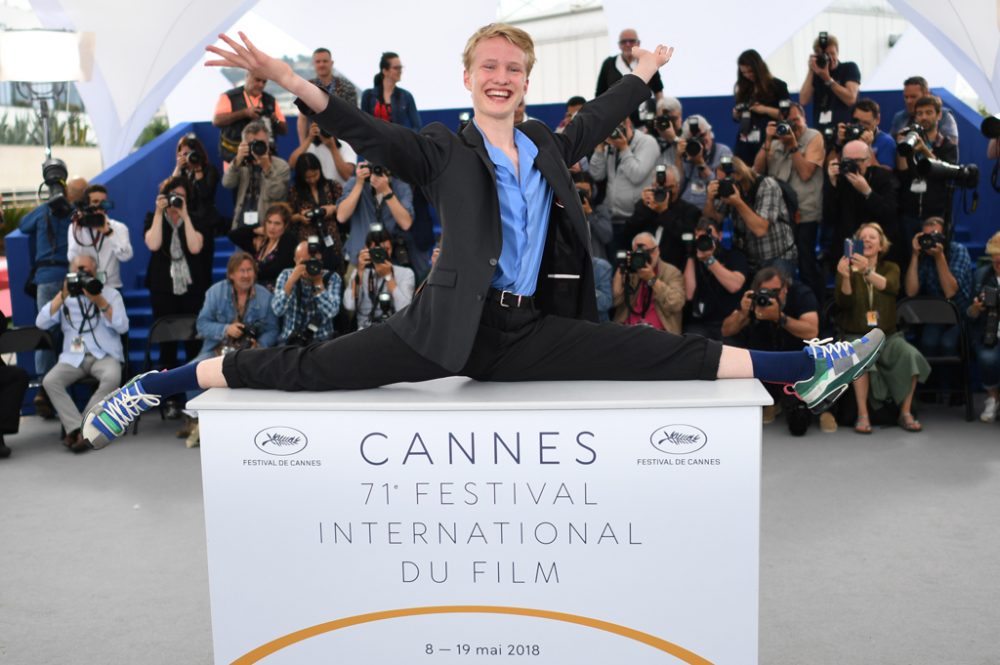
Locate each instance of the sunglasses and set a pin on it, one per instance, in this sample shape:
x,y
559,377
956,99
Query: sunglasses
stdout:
x,y
628,41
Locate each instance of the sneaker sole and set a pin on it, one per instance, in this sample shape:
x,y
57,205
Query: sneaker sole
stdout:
x,y
828,399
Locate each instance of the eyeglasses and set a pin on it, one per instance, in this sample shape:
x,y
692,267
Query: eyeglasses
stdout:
x,y
622,42
398,68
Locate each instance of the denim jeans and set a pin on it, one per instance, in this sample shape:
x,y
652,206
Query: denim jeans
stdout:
x,y
989,364
46,360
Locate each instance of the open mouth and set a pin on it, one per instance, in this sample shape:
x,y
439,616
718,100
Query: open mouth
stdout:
x,y
499,95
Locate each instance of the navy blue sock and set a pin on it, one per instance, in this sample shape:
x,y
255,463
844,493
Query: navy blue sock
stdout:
x,y
782,366
171,381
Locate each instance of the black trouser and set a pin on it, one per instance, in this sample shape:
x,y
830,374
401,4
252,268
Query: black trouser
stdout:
x,y
511,345
166,304
13,384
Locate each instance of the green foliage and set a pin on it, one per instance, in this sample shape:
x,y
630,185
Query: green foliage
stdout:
x,y
27,130
155,127
12,217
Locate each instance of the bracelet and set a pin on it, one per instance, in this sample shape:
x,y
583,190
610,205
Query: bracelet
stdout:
x,y
387,197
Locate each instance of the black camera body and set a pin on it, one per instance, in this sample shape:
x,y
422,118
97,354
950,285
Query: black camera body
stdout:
x,y
618,132
315,215
637,260
378,255
848,165
695,146
307,334
194,158
965,176
704,243
660,188
378,170
54,175
823,60
175,201
764,297
782,128
727,187
661,123
314,267
927,241
991,302
914,134
853,132
77,283
89,217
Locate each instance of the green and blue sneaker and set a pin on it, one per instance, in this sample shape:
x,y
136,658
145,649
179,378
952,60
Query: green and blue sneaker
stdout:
x,y
837,365
110,418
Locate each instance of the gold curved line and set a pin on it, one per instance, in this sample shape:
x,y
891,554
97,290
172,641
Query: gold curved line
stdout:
x,y
269,648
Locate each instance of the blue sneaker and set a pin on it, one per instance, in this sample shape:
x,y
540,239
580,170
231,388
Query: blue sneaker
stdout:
x,y
110,418
837,364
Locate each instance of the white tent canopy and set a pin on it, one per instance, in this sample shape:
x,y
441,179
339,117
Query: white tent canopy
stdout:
x,y
152,54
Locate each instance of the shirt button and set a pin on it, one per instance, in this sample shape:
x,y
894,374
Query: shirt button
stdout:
x,y
493,262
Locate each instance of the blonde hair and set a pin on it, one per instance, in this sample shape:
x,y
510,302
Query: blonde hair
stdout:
x,y
882,237
993,244
514,35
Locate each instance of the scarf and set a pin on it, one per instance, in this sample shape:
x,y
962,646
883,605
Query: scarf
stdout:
x,y
180,273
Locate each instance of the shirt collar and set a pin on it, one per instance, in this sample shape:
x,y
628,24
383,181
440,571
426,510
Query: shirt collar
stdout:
x,y
525,147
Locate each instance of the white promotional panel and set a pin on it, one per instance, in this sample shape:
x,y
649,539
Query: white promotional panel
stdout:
x,y
457,522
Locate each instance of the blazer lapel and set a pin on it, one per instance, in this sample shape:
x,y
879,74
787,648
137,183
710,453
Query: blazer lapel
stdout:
x,y
553,170
474,139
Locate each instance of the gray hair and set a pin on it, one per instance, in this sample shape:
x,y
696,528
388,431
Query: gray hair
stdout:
x,y
255,127
644,234
703,125
668,105
671,170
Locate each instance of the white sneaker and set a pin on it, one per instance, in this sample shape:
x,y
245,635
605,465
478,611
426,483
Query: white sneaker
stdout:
x,y
989,413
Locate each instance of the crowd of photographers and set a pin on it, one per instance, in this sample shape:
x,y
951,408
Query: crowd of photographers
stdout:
x,y
688,234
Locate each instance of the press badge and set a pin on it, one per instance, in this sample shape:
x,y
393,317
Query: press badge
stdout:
x,y
754,136
76,346
918,186
697,187
250,218
871,318
328,240
825,118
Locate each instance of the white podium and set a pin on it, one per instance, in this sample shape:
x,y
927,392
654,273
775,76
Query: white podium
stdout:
x,y
463,522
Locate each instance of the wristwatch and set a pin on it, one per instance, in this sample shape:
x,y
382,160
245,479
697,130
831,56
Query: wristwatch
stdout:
x,y
388,196
388,277
869,270
710,261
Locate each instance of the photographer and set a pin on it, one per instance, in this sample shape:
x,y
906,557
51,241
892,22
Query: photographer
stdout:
x,y
942,268
92,318
258,177
662,213
626,159
94,233
793,153
859,190
306,299
985,313
271,243
915,88
761,228
666,129
757,95
313,200
647,291
178,273
242,106
374,196
698,156
777,314
921,198
192,164
863,127
598,216
237,311
336,157
378,288
865,293
713,281
13,385
834,84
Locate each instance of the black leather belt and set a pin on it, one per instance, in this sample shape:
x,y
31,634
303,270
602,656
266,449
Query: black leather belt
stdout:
x,y
508,299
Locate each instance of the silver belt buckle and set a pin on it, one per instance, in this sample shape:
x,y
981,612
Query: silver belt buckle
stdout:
x,y
503,294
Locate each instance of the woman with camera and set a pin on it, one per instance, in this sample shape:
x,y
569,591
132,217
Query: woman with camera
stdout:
x,y
985,313
177,276
757,95
203,178
865,295
386,100
313,200
270,243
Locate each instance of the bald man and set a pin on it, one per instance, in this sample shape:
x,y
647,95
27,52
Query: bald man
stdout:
x,y
617,66
862,192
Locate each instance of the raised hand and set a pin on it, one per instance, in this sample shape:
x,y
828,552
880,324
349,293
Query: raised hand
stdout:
x,y
249,57
650,61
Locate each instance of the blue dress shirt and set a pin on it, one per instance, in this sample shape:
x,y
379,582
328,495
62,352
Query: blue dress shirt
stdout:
x,y
525,201
51,242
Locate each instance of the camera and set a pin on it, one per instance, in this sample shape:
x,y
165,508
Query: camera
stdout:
x,y
991,302
258,148
764,297
661,123
660,191
829,138
823,60
315,214
307,334
965,176
464,118
853,132
726,164
313,267
704,243
378,255
637,260
314,246
618,132
727,187
991,126
782,128
382,308
379,171
89,217
914,134
194,158
54,175
694,147
175,201
848,165
785,108
323,134
744,118
79,282
929,240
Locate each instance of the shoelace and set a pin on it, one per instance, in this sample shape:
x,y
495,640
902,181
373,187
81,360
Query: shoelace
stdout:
x,y
125,407
822,348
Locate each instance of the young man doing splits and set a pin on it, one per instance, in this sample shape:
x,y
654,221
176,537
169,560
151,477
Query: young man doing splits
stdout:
x,y
511,296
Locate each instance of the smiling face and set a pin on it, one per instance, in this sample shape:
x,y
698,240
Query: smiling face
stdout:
x,y
497,78
244,275
872,242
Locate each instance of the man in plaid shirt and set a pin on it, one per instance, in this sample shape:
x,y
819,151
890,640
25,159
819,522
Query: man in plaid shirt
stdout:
x,y
306,298
761,226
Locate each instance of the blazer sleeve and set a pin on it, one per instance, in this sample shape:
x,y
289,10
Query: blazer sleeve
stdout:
x,y
417,158
596,120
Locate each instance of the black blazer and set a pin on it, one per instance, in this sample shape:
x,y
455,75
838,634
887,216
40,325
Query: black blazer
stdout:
x,y
457,176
